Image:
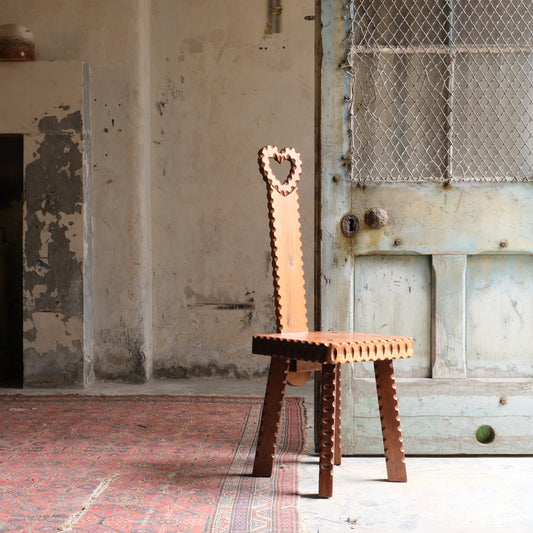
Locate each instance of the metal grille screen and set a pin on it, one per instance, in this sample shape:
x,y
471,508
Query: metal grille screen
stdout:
x,y
440,90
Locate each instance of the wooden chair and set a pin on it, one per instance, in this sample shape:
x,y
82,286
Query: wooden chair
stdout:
x,y
295,350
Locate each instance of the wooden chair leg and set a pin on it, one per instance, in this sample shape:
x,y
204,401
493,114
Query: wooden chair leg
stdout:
x,y
327,430
390,420
338,411
270,418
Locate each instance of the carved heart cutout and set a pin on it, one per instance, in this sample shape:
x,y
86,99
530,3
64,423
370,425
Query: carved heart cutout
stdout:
x,y
287,154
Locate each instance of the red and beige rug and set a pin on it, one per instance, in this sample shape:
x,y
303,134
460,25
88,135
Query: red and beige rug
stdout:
x,y
143,464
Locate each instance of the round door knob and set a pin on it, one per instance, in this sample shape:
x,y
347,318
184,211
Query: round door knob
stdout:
x,y
376,218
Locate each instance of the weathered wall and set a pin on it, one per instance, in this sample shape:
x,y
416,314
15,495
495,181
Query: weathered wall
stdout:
x,y
112,38
221,89
48,111
183,94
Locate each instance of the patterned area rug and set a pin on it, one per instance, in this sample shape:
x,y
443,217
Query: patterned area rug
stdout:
x,y
143,464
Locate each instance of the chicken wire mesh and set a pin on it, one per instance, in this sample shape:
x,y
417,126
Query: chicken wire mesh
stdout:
x,y
439,90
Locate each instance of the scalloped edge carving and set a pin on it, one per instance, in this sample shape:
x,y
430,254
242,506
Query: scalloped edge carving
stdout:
x,y
285,230
389,413
286,154
313,346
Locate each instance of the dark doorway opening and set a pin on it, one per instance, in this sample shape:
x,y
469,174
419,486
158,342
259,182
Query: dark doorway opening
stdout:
x,y
11,307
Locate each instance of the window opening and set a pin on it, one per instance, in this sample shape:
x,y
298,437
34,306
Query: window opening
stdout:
x,y
439,90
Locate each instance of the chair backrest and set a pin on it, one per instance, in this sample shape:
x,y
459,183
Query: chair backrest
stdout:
x,y
285,239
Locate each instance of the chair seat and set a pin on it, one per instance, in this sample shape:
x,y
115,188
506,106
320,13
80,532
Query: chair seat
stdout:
x,y
333,346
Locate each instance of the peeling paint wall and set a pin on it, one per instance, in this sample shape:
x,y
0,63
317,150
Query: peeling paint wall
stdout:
x,y
48,112
53,254
112,37
182,97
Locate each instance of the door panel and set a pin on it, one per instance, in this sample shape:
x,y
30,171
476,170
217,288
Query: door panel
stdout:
x,y
441,417
434,127
437,218
499,316
408,279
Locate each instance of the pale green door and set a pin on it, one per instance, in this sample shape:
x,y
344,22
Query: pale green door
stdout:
x,y
426,126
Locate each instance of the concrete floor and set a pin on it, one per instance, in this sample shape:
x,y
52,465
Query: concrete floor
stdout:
x,y
443,494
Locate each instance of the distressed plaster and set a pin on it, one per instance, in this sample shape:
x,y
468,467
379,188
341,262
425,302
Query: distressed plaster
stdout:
x,y
182,96
113,38
220,91
53,318
54,326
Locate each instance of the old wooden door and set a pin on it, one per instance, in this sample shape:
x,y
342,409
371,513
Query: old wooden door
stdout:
x,y
426,141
